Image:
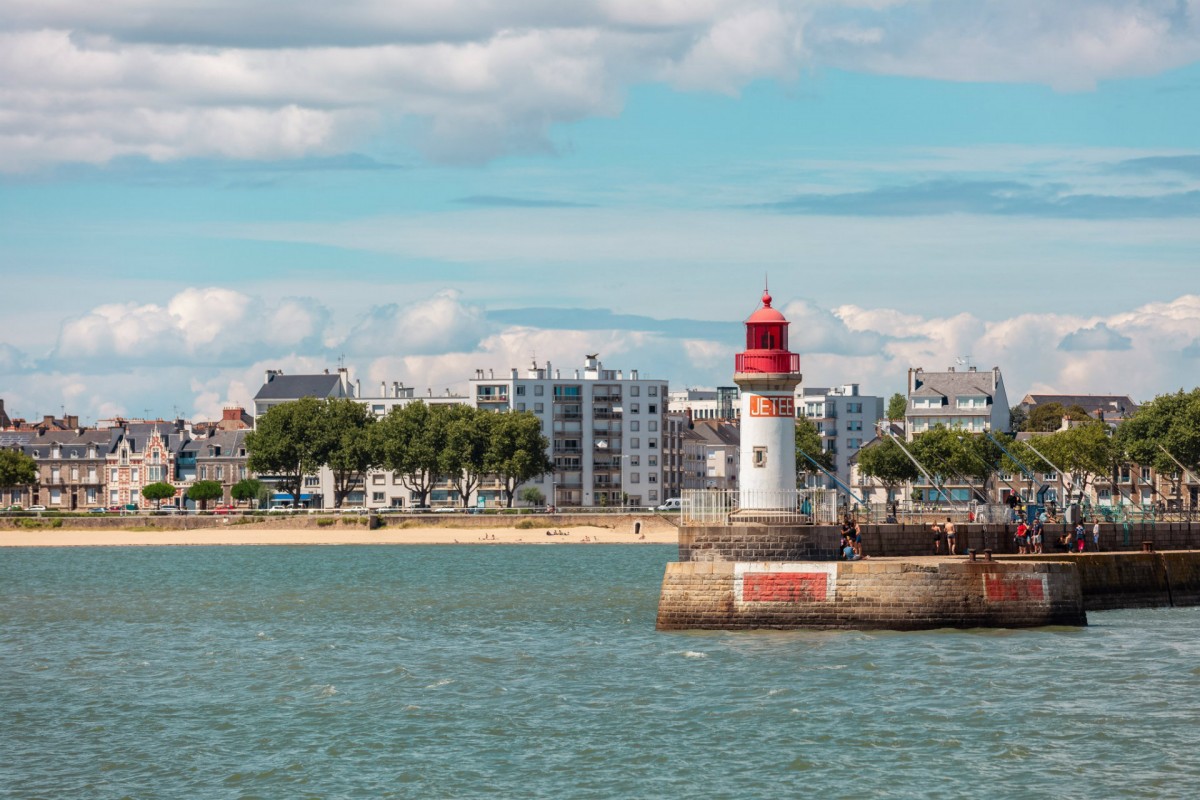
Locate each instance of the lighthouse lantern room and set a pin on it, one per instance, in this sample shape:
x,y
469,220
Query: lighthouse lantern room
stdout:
x,y
767,373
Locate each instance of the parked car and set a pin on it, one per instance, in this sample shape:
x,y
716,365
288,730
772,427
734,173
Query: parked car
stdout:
x,y
353,510
674,504
225,510
15,507
36,508
389,510
280,508
98,510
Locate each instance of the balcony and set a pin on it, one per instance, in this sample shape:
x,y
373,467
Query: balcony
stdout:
x,y
768,362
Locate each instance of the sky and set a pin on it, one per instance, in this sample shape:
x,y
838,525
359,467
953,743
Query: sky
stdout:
x,y
195,191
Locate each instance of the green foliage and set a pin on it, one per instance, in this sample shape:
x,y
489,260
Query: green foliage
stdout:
x,y
1085,450
288,443
808,442
1049,417
884,461
1017,417
246,490
325,522
955,455
39,523
468,431
517,450
532,495
1169,422
409,441
897,407
526,524
157,492
204,491
347,447
16,469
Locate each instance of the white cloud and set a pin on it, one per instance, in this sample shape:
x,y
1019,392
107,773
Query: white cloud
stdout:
x,y
197,325
419,347
468,80
439,324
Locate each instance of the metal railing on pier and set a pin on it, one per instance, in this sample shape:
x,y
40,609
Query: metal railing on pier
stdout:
x,y
733,507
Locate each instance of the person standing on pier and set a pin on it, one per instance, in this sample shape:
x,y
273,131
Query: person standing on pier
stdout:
x,y
951,537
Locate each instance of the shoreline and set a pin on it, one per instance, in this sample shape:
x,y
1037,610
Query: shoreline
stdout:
x,y
333,535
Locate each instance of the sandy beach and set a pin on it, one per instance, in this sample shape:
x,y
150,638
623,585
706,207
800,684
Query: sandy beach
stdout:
x,y
337,535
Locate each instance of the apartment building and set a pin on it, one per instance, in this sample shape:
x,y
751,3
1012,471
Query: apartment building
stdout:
x,y
70,470
845,419
719,403
606,429
141,453
968,399
712,455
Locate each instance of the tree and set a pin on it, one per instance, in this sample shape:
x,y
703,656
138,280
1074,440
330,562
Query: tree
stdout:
x,y
246,489
203,491
409,441
157,492
954,453
897,407
1017,415
886,462
1084,450
1045,418
808,443
468,431
287,444
1171,423
532,495
348,448
517,450
16,469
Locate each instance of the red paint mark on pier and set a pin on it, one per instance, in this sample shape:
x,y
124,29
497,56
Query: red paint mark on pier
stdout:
x,y
1006,590
785,587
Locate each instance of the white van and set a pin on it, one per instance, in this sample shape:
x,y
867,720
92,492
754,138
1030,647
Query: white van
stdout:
x,y
674,504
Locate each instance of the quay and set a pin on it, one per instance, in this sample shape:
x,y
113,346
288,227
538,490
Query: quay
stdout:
x,y
737,577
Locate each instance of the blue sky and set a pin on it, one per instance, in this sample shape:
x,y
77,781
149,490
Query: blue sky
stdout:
x,y
193,192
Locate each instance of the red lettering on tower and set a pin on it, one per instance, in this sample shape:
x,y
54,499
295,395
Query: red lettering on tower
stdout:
x,y
772,406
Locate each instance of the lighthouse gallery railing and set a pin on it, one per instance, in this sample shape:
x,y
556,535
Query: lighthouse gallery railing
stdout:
x,y
734,507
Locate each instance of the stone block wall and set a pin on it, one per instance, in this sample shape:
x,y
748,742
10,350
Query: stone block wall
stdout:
x,y
757,542
1133,580
892,595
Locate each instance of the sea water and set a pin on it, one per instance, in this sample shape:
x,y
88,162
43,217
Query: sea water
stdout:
x,y
471,671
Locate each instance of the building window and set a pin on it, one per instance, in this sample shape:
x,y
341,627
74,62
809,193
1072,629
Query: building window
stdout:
x,y
1145,474
635,442
539,390
853,408
653,461
635,477
654,444
635,391
521,390
204,473
760,457
377,497
654,391
653,425
377,479
520,406
634,425
635,461
635,408
135,477
652,408
652,477
55,497
539,408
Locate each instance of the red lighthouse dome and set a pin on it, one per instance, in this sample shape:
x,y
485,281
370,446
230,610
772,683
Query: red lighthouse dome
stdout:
x,y
767,343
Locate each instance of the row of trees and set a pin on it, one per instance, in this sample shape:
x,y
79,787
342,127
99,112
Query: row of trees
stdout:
x,y
423,444
1163,434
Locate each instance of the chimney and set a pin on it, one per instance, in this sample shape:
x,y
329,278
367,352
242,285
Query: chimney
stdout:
x,y
491,374
383,388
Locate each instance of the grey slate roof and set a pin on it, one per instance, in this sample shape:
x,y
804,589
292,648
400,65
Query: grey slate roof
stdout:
x,y
230,443
292,387
952,385
1113,405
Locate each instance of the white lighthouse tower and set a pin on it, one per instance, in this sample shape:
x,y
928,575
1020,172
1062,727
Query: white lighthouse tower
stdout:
x,y
767,374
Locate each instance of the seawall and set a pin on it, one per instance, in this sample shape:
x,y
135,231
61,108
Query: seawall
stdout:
x,y
891,594
1132,580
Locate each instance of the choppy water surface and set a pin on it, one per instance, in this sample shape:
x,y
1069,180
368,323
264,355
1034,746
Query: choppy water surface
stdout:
x,y
536,672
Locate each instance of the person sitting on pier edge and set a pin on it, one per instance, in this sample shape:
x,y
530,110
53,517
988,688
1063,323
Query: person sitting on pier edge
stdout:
x,y
849,554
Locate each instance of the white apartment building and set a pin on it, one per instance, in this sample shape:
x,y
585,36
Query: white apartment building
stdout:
x,y
845,419
968,399
719,403
606,428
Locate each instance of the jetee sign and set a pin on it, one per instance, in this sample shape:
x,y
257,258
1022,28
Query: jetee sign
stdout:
x,y
772,406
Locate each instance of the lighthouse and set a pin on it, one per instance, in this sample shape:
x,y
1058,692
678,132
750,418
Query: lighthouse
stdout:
x,y
767,373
